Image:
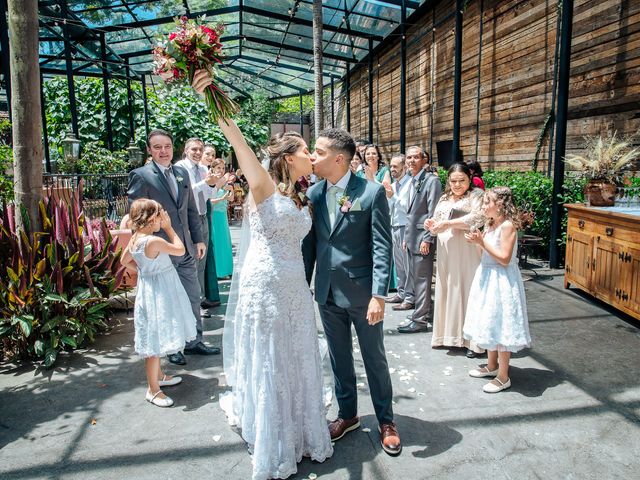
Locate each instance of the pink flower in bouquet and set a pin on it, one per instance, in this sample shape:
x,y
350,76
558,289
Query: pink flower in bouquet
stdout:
x,y
190,48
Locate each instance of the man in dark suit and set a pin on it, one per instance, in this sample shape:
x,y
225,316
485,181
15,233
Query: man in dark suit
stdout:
x,y
424,193
350,246
170,187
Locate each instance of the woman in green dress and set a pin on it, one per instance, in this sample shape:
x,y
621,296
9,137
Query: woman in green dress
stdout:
x,y
375,169
219,224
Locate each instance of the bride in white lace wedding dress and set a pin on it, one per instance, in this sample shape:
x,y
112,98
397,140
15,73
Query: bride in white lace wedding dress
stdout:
x,y
271,351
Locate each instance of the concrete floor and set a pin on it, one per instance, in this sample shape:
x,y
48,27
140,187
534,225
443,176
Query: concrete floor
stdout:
x,y
573,411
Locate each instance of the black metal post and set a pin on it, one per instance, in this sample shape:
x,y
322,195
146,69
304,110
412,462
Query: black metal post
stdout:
x,y
132,128
457,82
4,58
333,115
146,105
370,90
69,67
403,76
301,119
45,135
564,73
105,88
347,102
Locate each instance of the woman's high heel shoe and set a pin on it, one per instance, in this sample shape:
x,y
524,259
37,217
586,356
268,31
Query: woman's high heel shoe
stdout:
x,y
157,401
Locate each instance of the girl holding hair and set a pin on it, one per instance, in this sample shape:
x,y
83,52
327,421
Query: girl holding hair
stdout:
x,y
162,315
496,317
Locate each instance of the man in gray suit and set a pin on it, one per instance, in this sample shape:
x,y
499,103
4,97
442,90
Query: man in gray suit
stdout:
x,y
170,187
424,193
350,246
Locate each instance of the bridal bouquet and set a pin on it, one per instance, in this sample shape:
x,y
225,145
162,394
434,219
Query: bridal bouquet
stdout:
x,y
194,46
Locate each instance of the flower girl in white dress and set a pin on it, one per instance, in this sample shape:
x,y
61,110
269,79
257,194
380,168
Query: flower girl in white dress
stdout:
x,y
496,317
162,314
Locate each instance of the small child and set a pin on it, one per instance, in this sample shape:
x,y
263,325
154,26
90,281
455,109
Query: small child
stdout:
x,y
163,318
496,317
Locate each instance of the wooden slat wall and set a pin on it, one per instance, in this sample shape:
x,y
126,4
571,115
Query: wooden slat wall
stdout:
x,y
516,80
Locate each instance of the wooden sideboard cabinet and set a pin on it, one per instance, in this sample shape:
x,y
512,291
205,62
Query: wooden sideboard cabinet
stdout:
x,y
603,255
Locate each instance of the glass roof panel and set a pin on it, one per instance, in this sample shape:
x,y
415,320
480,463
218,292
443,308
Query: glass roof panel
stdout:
x,y
276,49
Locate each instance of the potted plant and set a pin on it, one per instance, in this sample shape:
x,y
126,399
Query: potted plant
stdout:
x,y
602,164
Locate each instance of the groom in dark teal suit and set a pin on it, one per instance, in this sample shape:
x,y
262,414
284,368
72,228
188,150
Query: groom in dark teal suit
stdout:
x,y
350,246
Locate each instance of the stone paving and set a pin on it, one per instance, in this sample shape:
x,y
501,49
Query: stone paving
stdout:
x,y
573,411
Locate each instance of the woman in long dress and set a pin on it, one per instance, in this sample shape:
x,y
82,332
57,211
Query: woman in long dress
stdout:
x,y
273,360
219,224
458,211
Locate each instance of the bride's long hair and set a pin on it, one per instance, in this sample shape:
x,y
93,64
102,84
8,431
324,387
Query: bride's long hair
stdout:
x,y
279,146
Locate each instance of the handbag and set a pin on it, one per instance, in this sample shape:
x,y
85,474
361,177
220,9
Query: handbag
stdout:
x,y
457,213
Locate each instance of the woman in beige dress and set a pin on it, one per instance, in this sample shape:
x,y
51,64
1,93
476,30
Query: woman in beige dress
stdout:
x,y
458,211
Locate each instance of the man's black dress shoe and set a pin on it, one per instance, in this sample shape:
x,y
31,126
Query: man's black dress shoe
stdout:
x,y
177,359
412,327
471,354
209,304
201,349
394,299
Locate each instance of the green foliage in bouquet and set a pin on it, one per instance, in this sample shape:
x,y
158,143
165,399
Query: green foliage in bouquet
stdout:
x,y
54,283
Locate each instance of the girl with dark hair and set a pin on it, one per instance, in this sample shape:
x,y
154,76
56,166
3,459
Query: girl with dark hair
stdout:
x,y
458,211
476,174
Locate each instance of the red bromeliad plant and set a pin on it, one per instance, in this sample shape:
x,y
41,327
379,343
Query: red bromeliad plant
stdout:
x,y
55,283
194,46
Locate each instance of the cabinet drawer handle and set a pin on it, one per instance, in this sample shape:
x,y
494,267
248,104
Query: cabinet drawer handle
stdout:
x,y
618,292
609,231
581,223
621,256
625,296
628,257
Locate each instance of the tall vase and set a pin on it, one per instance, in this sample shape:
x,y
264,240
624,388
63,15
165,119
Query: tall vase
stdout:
x,y
599,193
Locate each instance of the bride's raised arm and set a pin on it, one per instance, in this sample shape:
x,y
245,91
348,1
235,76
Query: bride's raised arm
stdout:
x,y
260,183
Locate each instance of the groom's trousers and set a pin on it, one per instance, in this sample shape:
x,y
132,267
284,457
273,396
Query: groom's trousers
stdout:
x,y
337,323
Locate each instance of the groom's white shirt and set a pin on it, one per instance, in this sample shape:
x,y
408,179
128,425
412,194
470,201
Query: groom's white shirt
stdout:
x,y
342,184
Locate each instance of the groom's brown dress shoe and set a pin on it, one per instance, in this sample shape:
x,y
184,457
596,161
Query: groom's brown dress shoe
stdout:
x,y
340,427
390,439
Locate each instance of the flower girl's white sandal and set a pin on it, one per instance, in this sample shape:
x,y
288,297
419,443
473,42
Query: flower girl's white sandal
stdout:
x,y
157,401
496,385
483,372
175,380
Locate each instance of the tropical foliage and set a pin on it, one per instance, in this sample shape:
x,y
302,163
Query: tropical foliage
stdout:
x,y
54,283
177,109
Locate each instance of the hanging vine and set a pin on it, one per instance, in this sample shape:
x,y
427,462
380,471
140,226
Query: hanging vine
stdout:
x,y
543,133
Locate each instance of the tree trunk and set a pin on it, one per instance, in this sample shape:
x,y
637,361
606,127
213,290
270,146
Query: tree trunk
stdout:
x,y
25,106
317,66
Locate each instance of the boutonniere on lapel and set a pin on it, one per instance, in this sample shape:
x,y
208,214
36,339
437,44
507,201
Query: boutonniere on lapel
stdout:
x,y
179,178
417,184
345,203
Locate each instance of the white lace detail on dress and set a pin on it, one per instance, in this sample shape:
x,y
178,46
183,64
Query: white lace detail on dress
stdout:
x,y
277,398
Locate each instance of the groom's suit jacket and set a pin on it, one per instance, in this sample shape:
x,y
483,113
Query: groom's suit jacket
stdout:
x,y
352,260
149,181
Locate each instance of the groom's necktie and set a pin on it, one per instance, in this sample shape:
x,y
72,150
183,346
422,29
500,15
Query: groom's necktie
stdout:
x,y
332,193
202,205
